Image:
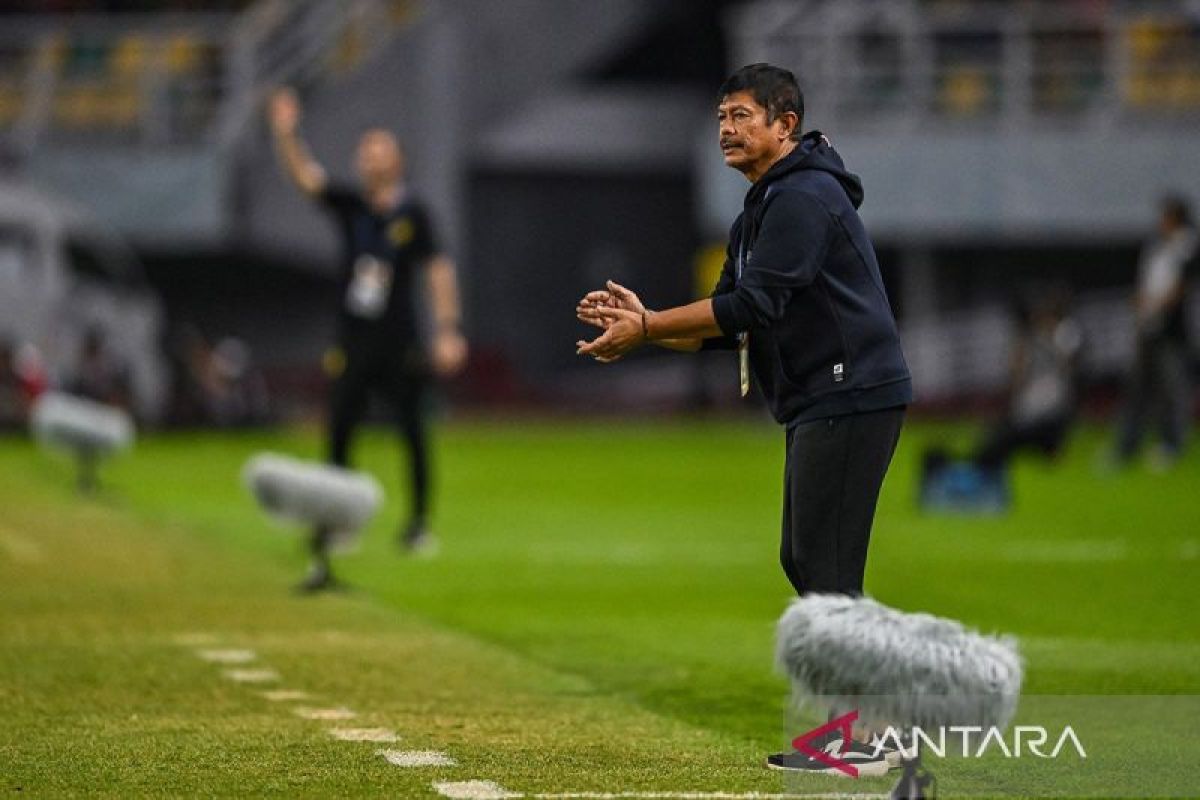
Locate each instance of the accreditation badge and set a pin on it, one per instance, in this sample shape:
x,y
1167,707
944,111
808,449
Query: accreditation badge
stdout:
x,y
743,338
744,362
370,287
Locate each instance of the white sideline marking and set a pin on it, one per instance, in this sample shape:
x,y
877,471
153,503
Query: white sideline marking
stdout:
x,y
381,735
20,549
285,695
324,713
418,758
473,790
252,675
227,656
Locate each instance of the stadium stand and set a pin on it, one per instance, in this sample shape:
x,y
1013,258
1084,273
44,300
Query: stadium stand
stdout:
x,y
1017,111
935,103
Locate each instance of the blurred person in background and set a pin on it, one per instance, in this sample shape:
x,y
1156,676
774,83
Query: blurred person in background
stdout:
x,y
1158,386
1043,380
187,353
235,392
14,403
390,258
1041,407
100,374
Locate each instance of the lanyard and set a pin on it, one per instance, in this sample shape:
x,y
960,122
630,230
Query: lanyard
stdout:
x,y
743,338
745,251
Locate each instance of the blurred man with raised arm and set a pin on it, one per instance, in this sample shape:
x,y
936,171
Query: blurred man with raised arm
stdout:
x,y
391,263
801,300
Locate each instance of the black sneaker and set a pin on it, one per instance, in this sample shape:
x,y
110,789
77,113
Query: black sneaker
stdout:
x,y
797,761
869,761
319,579
418,541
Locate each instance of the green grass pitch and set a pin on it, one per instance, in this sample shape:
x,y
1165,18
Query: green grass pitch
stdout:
x,y
600,617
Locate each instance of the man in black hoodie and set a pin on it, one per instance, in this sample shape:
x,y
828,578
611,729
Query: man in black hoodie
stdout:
x,y
802,301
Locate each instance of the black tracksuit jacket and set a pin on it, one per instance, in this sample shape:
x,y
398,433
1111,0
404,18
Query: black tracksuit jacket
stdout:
x,y
801,279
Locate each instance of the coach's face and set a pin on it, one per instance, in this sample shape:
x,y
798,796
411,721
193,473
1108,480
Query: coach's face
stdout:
x,y
749,143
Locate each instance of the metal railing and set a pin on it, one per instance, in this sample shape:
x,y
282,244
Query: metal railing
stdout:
x,y
144,79
905,64
163,80
296,42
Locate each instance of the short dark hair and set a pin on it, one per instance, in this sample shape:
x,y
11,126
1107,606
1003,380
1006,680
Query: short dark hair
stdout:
x,y
773,88
1177,208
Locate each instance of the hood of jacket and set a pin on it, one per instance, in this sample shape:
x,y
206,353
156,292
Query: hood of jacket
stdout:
x,y
813,152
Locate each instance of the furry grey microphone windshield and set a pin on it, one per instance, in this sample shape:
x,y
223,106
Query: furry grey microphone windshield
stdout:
x,y
898,668
81,425
312,494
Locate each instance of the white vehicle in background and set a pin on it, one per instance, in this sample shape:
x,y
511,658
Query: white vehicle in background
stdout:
x,y
63,274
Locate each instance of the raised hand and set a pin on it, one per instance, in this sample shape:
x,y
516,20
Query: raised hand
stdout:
x,y
284,112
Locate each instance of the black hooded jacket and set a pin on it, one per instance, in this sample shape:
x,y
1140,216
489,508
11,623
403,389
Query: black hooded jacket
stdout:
x,y
801,278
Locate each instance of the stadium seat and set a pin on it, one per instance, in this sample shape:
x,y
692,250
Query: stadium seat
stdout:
x,y
78,105
129,57
181,54
965,92
11,101
121,106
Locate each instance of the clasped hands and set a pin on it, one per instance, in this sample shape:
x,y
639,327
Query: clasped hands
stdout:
x,y
620,314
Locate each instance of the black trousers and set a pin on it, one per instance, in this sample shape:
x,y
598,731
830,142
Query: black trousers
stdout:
x,y
1009,436
833,474
403,383
1157,387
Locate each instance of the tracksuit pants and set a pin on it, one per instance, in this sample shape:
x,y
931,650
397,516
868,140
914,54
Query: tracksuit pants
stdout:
x,y
404,387
834,471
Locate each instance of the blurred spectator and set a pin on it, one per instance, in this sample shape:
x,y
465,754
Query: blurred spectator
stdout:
x,y
235,392
100,374
12,399
186,352
12,407
1040,410
1042,387
215,385
1158,385
22,379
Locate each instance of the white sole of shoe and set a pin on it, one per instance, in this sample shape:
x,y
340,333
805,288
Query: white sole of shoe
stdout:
x,y
874,769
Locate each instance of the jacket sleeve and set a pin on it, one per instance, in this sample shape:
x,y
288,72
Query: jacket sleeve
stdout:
x,y
424,240
788,252
339,198
725,285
